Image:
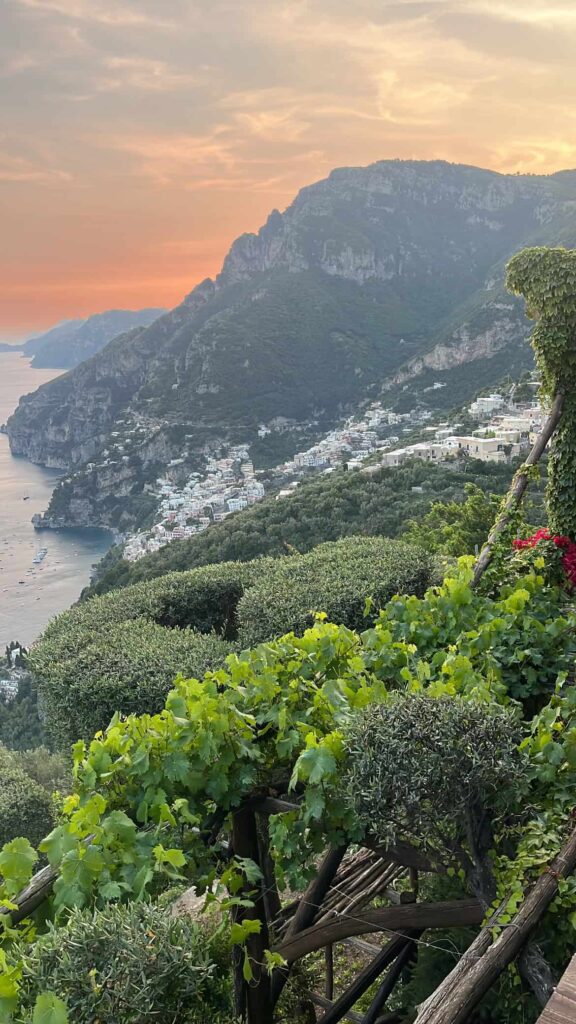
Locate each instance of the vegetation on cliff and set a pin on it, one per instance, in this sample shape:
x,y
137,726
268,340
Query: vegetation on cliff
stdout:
x,y
411,770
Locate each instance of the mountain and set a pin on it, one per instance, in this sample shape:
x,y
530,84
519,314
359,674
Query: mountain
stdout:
x,y
386,278
73,341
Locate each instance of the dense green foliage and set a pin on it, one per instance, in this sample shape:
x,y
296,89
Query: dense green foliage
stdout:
x,y
282,711
547,280
124,666
334,579
122,651
131,965
399,751
321,509
20,724
455,527
26,806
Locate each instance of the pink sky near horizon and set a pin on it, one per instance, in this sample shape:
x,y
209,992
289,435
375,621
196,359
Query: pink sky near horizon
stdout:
x,y
138,138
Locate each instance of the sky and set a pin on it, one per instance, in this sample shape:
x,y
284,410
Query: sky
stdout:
x,y
138,138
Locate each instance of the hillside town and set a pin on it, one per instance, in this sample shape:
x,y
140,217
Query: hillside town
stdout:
x,y
230,482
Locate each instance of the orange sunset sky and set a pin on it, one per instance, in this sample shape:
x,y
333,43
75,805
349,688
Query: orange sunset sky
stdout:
x,y
138,138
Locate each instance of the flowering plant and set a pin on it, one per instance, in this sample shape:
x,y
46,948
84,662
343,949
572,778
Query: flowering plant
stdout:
x,y
555,545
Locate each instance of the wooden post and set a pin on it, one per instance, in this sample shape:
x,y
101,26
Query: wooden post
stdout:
x,y
373,970
373,1013
329,963
308,908
478,968
519,485
254,999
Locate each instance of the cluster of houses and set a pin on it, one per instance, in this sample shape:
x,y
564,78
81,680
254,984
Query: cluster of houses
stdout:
x,y
357,439
506,432
228,485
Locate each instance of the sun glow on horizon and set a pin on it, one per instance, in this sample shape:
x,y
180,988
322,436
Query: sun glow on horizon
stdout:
x,y
140,139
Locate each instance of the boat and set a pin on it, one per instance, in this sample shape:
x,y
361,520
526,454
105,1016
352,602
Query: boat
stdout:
x,y
40,556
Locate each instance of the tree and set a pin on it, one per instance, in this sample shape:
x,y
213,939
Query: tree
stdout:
x,y
455,527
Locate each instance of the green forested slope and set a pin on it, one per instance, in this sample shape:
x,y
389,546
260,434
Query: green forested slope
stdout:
x,y
322,509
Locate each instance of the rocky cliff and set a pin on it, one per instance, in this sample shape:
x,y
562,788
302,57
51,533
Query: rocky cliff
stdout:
x,y
372,278
70,343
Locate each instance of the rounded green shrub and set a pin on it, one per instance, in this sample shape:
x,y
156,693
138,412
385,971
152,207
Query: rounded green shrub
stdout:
x,y
131,965
127,667
335,578
26,807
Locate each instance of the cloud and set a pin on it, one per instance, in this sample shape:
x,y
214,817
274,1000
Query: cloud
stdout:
x,y
100,12
144,73
16,170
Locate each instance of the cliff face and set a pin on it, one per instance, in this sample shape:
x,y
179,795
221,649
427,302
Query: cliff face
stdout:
x,y
371,278
70,343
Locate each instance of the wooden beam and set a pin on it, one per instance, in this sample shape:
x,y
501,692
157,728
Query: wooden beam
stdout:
x,y
562,1007
364,980
254,999
325,1004
388,984
448,914
307,909
478,968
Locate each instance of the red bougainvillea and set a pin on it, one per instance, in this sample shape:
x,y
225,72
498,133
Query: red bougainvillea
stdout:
x,y
567,546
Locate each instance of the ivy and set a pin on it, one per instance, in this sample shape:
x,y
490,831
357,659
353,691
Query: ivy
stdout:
x,y
547,280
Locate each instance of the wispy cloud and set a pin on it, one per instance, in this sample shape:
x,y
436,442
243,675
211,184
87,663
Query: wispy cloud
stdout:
x,y
17,169
100,12
159,120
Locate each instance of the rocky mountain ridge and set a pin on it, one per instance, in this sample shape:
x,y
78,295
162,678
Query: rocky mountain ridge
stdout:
x,y
369,281
69,343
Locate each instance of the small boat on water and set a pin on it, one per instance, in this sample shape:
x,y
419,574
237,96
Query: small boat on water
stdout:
x,y
40,556
26,497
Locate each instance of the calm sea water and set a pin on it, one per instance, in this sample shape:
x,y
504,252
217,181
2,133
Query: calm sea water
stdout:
x,y
30,595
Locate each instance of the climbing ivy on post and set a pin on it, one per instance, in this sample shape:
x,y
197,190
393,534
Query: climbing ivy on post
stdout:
x,y
546,278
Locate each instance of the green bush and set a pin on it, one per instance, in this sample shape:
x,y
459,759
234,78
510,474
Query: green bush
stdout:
x,y
204,598
131,965
26,808
51,771
20,725
86,674
335,578
122,652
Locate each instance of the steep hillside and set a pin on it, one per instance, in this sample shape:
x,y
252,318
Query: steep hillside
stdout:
x,y
325,508
70,343
373,279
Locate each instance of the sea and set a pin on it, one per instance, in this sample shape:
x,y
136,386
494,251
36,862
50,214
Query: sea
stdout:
x,y
31,594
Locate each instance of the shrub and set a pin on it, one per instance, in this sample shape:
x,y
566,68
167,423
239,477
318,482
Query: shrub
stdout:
x,y
204,598
131,965
421,767
51,771
335,578
20,725
26,808
88,674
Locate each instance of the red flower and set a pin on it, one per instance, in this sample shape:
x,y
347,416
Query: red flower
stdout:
x,y
567,546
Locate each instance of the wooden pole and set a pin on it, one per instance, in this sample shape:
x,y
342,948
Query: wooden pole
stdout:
x,y
254,998
367,977
408,916
478,968
519,485
385,990
329,964
308,908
